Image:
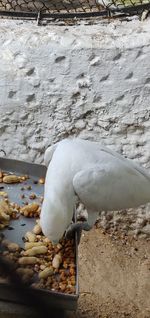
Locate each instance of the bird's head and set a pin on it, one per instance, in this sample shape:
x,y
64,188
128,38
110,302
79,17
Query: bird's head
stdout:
x,y
54,219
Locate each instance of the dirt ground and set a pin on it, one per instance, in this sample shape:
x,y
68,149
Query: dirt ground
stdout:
x,y
114,276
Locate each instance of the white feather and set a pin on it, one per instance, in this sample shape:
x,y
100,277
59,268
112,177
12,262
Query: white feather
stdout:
x,y
49,154
102,179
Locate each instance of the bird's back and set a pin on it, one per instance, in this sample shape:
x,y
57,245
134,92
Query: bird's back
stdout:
x,y
80,154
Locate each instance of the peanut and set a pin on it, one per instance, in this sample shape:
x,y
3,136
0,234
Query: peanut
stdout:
x,y
3,194
29,245
5,242
48,271
41,180
31,237
4,216
28,260
72,280
47,241
36,250
6,207
24,178
38,211
37,229
11,179
42,267
32,196
12,247
30,208
56,261
72,271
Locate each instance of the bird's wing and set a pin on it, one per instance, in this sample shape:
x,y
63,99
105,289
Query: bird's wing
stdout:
x,y
49,154
111,187
127,162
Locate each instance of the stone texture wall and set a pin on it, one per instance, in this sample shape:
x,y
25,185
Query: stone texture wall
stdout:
x,y
87,81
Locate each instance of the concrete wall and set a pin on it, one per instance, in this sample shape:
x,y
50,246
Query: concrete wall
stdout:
x,y
88,81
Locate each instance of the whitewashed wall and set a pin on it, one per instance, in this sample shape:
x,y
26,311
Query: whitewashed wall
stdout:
x,y
88,81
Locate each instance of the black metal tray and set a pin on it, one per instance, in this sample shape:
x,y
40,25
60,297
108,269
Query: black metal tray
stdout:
x,y
22,225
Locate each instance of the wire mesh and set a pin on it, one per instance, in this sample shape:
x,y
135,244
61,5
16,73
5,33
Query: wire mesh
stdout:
x,y
69,8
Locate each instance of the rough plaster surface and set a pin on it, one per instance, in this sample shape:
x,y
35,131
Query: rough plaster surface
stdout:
x,y
87,81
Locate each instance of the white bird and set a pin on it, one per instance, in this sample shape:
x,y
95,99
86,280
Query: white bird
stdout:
x,y
102,179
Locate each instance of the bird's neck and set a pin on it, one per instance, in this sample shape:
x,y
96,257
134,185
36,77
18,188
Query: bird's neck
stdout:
x,y
62,193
